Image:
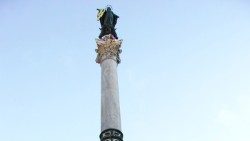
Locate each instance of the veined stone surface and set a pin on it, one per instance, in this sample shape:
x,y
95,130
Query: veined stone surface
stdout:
x,y
108,50
110,110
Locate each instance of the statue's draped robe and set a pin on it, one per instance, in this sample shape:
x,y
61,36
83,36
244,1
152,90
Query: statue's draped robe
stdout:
x,y
108,22
109,18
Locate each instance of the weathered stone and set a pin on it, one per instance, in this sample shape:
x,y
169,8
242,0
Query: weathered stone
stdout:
x,y
108,57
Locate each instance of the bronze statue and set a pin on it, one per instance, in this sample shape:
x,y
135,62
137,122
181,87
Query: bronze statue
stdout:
x,y
108,21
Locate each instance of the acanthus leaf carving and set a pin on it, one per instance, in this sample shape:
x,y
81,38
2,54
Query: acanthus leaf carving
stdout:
x,y
108,48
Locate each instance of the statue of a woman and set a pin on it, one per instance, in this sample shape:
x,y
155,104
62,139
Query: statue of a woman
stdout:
x,y
108,21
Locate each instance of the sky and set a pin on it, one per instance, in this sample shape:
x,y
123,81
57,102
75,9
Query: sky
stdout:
x,y
184,75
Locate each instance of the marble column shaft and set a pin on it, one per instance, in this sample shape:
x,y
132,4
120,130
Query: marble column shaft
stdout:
x,y
108,57
110,107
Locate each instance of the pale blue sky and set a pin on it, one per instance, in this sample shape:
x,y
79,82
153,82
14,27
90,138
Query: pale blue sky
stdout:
x,y
184,75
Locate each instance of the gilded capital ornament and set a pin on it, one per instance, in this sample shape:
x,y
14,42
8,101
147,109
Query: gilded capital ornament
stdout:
x,y
108,47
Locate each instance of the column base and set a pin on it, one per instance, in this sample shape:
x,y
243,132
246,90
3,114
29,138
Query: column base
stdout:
x,y
111,135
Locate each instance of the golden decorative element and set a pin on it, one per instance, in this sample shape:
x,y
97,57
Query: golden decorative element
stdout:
x,y
108,48
100,13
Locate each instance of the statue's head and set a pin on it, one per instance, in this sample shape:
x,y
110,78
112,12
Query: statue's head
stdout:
x,y
109,8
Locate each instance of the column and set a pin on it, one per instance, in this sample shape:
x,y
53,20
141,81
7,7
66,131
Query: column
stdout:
x,y
108,50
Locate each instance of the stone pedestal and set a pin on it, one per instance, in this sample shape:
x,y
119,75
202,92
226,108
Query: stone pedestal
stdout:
x,y
108,50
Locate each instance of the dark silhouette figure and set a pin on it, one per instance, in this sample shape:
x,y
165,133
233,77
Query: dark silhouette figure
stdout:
x,y
108,21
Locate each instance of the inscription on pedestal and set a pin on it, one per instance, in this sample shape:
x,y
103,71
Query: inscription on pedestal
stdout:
x,y
111,135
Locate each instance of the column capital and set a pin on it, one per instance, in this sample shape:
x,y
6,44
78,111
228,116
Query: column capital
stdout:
x,y
108,48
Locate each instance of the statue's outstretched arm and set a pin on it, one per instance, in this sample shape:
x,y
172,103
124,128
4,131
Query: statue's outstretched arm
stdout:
x,y
116,16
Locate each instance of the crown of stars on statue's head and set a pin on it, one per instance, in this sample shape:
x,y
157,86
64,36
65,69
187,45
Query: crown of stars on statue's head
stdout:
x,y
109,6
